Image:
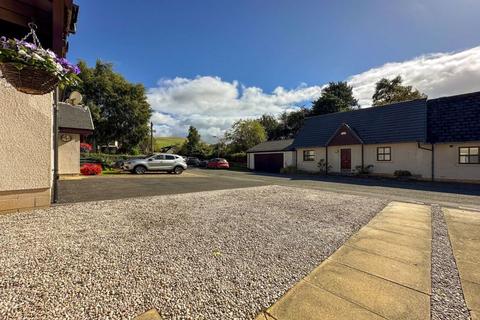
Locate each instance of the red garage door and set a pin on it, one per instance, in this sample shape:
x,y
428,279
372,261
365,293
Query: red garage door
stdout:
x,y
268,162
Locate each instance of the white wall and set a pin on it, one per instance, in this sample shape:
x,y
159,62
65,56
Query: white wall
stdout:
x,y
310,166
334,156
25,139
404,156
447,166
69,154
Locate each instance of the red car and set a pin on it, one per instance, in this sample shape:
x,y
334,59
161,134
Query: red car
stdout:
x,y
218,163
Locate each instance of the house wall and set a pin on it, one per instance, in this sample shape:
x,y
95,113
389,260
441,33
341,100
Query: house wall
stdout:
x,y
69,155
288,158
310,166
334,156
447,166
405,156
25,149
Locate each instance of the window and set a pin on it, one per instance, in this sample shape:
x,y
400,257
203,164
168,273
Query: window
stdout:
x,y
308,155
468,155
384,154
160,157
169,157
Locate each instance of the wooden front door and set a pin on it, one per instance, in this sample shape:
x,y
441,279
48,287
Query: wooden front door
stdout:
x,y
346,159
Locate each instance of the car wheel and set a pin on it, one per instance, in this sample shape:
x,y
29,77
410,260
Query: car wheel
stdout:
x,y
140,170
178,170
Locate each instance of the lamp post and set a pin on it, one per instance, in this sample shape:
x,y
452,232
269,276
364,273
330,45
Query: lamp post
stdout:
x,y
151,138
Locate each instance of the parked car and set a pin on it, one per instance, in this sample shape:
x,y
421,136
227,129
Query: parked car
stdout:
x,y
203,164
218,163
156,162
193,161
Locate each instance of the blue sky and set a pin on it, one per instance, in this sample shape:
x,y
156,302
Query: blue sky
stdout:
x,y
265,44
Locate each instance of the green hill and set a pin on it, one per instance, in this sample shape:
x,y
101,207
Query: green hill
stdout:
x,y
161,142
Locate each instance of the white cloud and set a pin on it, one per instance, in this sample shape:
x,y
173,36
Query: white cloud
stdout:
x,y
212,104
439,74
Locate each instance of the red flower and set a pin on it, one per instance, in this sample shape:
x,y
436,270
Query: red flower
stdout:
x,y
90,169
85,147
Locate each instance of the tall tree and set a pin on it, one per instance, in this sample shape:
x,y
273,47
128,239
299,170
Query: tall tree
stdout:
x,y
192,144
270,124
336,97
246,134
120,109
392,91
290,123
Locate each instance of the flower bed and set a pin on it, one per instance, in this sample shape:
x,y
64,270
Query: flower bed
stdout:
x,y
90,169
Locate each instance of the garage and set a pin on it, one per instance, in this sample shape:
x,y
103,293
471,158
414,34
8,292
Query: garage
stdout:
x,y
268,162
271,156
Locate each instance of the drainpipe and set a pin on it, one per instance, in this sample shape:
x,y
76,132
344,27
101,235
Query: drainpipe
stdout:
x,y
55,146
419,146
363,166
326,160
433,162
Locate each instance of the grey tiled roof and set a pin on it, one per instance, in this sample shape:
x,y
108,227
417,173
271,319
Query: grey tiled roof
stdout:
x,y
275,145
74,117
400,122
454,119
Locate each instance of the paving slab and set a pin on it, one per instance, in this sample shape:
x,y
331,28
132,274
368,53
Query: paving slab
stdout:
x,y
151,314
413,276
376,274
388,299
464,234
308,302
392,250
402,229
395,238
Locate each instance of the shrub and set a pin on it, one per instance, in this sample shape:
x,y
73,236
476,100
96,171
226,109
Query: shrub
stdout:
x,y
322,166
85,147
240,157
364,169
289,170
90,169
402,173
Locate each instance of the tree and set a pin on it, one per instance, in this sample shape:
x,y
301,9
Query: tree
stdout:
x,y
270,124
336,97
119,108
193,141
392,91
246,134
290,123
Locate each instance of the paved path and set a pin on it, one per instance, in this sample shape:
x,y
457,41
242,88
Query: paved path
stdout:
x,y
464,230
382,272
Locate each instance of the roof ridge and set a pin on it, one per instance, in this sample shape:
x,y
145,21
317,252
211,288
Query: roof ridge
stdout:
x,y
367,108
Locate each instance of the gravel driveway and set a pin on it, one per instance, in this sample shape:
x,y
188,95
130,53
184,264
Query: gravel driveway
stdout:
x,y
209,255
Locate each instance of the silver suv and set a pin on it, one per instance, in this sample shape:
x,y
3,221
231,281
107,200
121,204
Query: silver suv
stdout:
x,y
156,162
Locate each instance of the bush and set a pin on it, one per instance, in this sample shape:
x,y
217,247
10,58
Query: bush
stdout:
x,y
322,166
364,170
85,147
240,157
107,160
90,169
402,173
289,170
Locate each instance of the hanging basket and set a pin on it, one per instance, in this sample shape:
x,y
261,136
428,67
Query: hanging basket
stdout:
x,y
28,79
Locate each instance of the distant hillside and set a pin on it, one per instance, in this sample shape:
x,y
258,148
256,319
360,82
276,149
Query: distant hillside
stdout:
x,y
161,142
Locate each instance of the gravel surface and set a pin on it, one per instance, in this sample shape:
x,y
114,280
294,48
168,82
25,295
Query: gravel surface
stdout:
x,y
447,301
209,255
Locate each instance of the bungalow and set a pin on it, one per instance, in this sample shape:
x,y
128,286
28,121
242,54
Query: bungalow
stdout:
x,y
437,139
